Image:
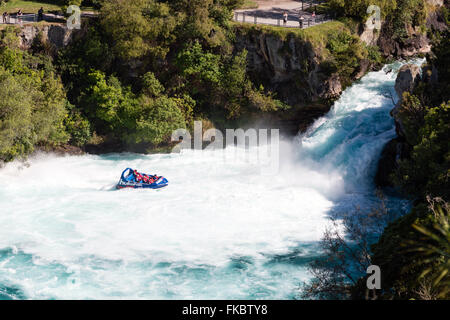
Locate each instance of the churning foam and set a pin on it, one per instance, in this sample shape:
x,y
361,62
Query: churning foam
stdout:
x,y
220,230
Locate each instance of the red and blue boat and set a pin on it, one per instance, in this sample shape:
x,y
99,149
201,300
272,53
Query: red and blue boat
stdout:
x,y
132,179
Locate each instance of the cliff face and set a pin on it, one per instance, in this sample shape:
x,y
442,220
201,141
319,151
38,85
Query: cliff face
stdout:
x,y
416,43
58,35
291,67
408,78
416,40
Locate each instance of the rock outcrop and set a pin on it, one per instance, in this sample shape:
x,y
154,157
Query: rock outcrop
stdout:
x,y
407,79
369,36
58,35
436,2
416,41
387,164
291,67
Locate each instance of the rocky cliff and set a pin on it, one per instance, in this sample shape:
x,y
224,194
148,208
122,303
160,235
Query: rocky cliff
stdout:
x,y
408,78
415,39
57,35
289,66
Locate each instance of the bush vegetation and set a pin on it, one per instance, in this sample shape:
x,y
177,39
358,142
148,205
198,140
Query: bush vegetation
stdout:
x,y
414,251
32,100
141,70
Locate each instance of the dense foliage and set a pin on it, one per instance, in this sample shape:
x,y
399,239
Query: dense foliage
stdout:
x,y
396,14
141,70
414,251
358,8
162,65
410,11
32,100
144,68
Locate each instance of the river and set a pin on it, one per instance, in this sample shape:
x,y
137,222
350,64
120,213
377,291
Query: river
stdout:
x,y
220,230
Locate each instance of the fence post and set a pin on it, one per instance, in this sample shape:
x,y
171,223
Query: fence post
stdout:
x,y
278,22
236,17
256,19
309,22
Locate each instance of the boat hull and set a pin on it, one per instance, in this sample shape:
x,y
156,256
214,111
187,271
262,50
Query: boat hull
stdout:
x,y
127,181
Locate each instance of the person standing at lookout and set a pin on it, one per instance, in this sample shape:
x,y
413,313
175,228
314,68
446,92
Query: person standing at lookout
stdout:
x,y
19,16
314,17
41,14
285,18
300,21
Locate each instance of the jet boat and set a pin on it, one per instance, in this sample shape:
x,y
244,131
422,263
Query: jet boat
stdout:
x,y
132,179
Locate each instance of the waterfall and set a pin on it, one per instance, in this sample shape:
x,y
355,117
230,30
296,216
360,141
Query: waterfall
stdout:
x,y
221,230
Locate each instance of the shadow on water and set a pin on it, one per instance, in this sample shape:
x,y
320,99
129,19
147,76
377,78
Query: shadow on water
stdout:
x,y
299,256
11,293
128,156
8,291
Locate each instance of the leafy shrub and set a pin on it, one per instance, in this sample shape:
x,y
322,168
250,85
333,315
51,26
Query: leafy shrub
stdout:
x,y
32,105
427,171
151,86
78,127
402,253
156,121
346,53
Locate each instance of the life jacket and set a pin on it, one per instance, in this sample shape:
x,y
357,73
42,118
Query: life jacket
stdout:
x,y
150,179
145,178
138,176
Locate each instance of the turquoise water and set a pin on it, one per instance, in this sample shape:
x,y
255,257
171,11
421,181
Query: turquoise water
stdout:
x,y
221,230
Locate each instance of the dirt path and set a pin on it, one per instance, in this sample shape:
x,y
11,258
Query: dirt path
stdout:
x,y
271,12
283,4
273,8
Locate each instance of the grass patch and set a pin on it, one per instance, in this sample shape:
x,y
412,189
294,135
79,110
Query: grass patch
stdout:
x,y
249,4
318,35
322,8
27,6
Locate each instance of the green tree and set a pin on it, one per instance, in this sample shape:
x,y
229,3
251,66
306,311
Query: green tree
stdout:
x,y
435,246
138,28
32,106
427,171
157,119
151,86
16,130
